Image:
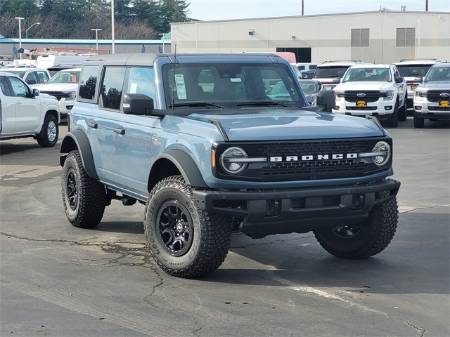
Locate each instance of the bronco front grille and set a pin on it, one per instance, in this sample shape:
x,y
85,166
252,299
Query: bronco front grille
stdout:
x,y
364,95
305,170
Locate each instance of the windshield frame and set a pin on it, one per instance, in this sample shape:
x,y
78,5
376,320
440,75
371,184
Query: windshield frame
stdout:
x,y
349,70
301,101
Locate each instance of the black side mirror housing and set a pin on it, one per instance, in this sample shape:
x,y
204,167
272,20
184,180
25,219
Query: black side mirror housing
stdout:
x,y
326,100
35,92
399,80
137,104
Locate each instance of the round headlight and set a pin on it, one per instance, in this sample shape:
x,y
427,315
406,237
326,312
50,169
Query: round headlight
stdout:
x,y
230,160
384,153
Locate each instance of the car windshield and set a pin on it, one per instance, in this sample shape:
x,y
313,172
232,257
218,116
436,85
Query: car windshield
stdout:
x,y
309,87
438,74
416,70
19,73
367,75
331,72
219,85
65,77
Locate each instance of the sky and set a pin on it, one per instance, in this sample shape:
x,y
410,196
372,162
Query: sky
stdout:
x,y
236,9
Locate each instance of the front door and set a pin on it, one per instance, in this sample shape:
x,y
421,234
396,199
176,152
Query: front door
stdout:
x,y
7,107
27,112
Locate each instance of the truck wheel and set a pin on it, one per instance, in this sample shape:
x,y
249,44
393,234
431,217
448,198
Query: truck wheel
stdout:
x,y
84,198
419,123
48,136
402,112
184,240
363,240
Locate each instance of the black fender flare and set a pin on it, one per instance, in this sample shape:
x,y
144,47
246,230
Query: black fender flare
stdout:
x,y
186,165
78,138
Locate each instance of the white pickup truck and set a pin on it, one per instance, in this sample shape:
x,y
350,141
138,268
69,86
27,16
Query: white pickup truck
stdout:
x,y
25,113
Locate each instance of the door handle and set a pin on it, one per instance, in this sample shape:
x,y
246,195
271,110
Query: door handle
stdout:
x,y
119,131
92,124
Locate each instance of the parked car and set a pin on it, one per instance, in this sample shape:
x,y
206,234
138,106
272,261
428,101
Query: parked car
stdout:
x,y
307,70
201,140
372,90
413,71
25,113
432,98
311,89
329,73
32,76
63,86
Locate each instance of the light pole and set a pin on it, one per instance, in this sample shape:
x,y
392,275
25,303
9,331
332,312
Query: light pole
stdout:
x,y
113,47
26,30
96,37
20,33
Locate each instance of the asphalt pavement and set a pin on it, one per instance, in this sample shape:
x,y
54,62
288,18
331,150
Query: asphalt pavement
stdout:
x,y
58,280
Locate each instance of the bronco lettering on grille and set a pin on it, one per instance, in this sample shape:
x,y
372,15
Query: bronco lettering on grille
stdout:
x,y
309,157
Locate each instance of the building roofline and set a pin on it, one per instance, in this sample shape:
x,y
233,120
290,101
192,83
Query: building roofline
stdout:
x,y
312,16
83,41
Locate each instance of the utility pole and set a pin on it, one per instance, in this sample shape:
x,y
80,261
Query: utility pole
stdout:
x,y
426,5
20,33
303,7
113,47
96,37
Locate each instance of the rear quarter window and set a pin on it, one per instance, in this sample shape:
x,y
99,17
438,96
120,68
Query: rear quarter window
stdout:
x,y
88,83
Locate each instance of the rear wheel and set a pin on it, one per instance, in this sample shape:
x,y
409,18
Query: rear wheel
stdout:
x,y
184,240
402,115
365,239
48,136
84,198
419,123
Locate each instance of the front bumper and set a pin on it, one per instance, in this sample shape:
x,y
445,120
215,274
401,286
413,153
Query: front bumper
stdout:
x,y
380,108
266,212
65,106
430,110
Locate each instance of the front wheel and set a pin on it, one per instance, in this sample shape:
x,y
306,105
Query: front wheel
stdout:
x,y
363,240
183,239
402,113
419,123
48,136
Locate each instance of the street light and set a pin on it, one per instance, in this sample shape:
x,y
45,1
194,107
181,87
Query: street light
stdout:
x,y
96,37
20,33
113,47
26,30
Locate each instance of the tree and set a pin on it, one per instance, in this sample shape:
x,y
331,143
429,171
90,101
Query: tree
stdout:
x,y
172,11
23,8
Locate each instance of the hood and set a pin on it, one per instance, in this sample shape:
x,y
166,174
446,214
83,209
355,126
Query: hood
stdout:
x,y
438,85
64,87
283,124
364,86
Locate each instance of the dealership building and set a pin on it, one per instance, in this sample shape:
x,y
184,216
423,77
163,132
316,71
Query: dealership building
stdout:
x,y
381,36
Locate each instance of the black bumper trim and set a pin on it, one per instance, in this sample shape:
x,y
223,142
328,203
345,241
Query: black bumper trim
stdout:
x,y
296,210
433,115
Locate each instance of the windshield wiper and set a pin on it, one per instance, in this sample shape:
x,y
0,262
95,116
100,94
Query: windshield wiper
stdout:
x,y
196,105
262,103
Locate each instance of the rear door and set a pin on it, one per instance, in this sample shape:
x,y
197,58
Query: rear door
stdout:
x,y
27,113
7,107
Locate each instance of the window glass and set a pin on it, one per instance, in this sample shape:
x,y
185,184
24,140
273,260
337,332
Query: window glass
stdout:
x,y
31,78
368,75
5,86
230,84
88,82
65,76
415,70
331,72
141,80
301,67
406,37
19,88
112,87
438,74
42,76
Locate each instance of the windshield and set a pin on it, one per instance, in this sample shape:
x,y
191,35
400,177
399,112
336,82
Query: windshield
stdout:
x,y
230,85
367,75
334,72
65,77
309,87
15,72
416,70
438,74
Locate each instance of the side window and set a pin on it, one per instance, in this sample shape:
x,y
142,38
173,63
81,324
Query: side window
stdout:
x,y
5,86
88,82
112,86
31,78
141,80
42,76
19,88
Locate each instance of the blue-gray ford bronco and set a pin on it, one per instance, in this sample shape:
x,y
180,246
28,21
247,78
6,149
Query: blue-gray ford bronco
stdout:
x,y
213,144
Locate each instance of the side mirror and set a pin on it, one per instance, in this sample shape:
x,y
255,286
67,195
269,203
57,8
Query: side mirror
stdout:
x,y
399,80
326,100
35,92
137,104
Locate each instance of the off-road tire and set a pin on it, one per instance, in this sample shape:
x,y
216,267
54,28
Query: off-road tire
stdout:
x,y
393,119
91,200
402,113
375,234
43,136
211,238
419,123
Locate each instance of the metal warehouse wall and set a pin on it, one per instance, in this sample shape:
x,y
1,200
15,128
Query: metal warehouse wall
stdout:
x,y
328,36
